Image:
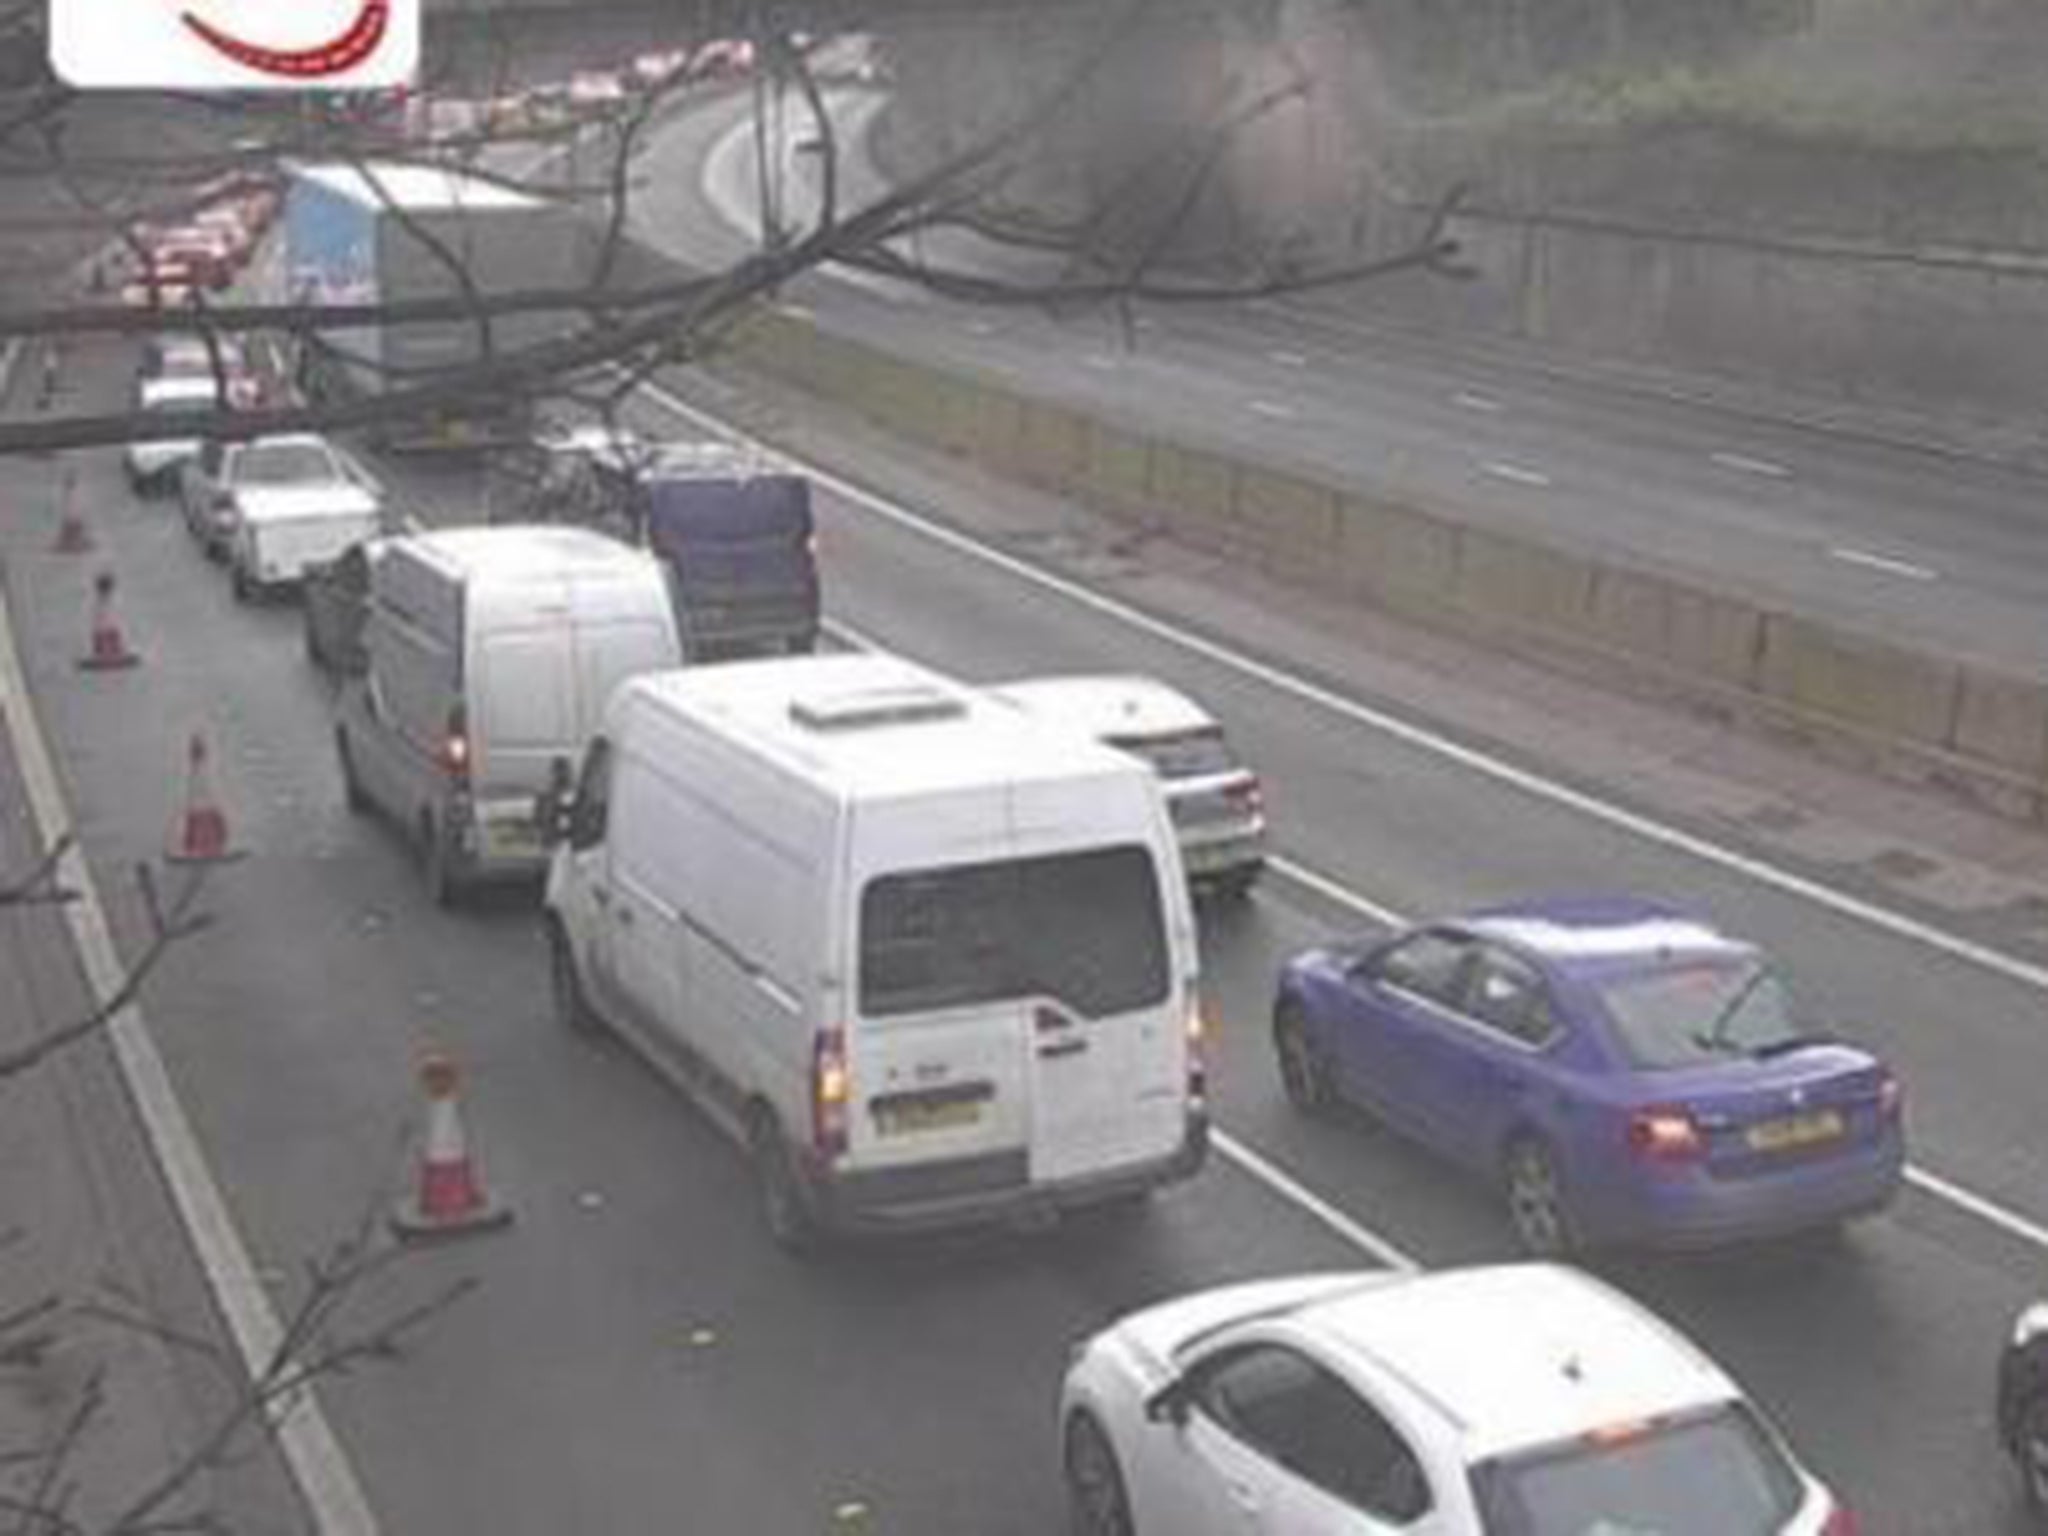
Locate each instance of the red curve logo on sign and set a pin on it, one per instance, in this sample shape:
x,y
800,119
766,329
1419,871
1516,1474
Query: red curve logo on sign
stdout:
x,y
340,53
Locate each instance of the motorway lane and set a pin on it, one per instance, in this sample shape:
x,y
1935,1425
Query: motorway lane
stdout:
x,y
1785,515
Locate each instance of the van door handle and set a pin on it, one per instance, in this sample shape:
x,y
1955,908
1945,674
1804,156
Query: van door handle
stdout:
x,y
1072,1046
1046,1020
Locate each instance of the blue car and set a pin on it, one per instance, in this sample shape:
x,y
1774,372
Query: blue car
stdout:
x,y
1627,1075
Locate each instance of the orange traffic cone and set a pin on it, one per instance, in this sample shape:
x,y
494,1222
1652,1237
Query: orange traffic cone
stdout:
x,y
449,1196
73,537
107,649
201,836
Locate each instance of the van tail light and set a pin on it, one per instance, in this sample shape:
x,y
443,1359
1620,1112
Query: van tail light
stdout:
x,y
1891,1097
831,1093
1198,1055
1247,795
1665,1136
455,751
1841,1521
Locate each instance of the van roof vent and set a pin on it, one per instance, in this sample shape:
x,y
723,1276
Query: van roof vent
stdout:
x,y
858,709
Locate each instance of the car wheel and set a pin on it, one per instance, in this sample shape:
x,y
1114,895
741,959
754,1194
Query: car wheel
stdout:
x,y
245,590
437,864
1097,1503
1304,1072
1236,885
572,1007
1536,1199
352,794
785,1208
2033,1450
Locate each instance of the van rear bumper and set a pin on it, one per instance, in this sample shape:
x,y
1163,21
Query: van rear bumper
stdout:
x,y
996,1188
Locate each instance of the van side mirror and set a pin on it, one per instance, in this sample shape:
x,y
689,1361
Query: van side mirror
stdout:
x,y
554,807
1170,1404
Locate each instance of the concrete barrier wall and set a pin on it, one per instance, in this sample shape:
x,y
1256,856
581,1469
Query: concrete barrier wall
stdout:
x,y
1901,711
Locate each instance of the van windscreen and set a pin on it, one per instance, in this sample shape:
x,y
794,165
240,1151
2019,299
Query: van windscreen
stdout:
x,y
1085,929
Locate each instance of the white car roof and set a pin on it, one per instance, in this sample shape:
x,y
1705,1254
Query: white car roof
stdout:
x,y
1520,1355
1110,707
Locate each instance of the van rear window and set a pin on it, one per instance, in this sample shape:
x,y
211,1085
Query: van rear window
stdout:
x,y
1085,929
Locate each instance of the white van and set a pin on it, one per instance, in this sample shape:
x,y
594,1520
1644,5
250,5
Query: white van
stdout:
x,y
929,960
488,654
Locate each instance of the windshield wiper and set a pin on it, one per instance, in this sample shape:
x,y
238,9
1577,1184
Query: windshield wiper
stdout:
x,y
1715,1037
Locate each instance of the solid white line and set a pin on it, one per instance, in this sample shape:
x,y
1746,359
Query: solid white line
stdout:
x,y
1288,359
1271,409
1473,759
1292,1189
1750,466
2010,1222
1516,473
1473,402
1100,361
1850,555
318,1464
1330,890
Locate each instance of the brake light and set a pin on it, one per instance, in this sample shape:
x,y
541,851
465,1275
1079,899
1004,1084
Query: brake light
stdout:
x,y
1891,1097
1247,795
455,754
1198,1054
1664,1136
1841,1521
831,1092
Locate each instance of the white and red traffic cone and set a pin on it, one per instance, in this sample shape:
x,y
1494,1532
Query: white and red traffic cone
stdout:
x,y
449,1197
201,834
106,647
73,537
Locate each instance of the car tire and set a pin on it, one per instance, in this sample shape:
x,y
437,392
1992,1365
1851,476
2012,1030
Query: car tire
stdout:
x,y
244,589
2030,1443
1235,885
572,1005
1098,1504
352,795
437,865
1304,1070
1538,1209
785,1208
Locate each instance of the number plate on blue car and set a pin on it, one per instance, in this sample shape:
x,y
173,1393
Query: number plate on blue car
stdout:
x,y
1796,1131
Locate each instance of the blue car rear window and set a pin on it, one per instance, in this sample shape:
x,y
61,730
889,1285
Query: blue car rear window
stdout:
x,y
1692,1012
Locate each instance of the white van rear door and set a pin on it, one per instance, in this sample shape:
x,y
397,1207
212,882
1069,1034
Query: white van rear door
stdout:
x,y
1107,1040
609,651
524,697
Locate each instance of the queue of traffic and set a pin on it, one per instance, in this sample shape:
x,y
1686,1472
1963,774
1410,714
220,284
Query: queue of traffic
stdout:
x,y
927,952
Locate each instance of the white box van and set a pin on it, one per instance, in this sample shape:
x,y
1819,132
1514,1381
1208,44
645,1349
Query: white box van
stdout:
x,y
930,960
488,654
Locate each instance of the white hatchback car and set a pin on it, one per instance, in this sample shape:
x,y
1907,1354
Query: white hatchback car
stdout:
x,y
1510,1400
1217,804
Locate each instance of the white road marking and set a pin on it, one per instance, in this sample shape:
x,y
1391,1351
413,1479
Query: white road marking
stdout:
x,y
1750,466
795,312
980,328
319,1465
1515,473
1473,759
1472,402
1102,362
1300,1195
1288,359
1848,554
1271,409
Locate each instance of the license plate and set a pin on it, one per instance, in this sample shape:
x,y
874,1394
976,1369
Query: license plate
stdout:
x,y
513,836
945,1115
1795,1131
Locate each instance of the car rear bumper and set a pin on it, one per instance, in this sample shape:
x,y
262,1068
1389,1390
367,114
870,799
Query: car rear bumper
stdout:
x,y
997,1188
498,840
1692,1209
